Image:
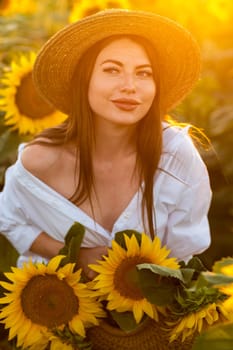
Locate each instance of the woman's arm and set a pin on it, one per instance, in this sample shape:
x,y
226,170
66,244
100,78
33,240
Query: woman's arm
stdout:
x,y
46,246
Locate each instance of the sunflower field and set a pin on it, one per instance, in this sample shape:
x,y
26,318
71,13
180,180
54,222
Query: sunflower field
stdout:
x,y
25,25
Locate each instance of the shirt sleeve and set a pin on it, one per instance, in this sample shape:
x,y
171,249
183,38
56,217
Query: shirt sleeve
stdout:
x,y
188,231
14,223
188,227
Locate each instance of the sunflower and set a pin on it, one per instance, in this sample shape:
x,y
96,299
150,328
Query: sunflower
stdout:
x,y
228,289
117,279
43,298
198,321
70,343
57,344
24,109
10,7
85,8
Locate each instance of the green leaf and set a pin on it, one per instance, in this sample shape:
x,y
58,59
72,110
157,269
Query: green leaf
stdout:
x,y
125,320
162,271
73,241
216,279
218,337
75,340
196,264
193,299
192,269
77,230
187,274
200,282
119,237
8,254
157,289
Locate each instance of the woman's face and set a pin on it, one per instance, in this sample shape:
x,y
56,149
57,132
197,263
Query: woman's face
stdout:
x,y
122,87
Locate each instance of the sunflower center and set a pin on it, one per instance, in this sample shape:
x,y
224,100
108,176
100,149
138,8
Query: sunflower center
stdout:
x,y
48,301
126,278
29,102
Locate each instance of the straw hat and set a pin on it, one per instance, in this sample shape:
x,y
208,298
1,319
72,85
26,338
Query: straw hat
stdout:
x,y
178,53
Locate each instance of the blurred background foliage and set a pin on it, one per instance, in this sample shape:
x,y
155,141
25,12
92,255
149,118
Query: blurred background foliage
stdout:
x,y
25,25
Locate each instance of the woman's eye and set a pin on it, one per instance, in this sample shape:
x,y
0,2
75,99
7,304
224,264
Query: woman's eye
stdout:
x,y
144,73
111,70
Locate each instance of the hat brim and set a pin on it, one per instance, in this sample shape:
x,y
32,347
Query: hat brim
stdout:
x,y
177,51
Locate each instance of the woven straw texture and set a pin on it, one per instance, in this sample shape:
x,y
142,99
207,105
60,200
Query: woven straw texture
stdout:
x,y
177,52
148,336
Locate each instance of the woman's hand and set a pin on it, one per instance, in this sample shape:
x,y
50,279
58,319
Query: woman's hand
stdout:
x,y
90,256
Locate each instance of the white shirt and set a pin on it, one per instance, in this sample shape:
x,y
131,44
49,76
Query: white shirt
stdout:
x,y
182,198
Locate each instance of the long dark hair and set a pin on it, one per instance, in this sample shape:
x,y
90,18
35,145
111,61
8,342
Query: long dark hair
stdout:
x,y
78,128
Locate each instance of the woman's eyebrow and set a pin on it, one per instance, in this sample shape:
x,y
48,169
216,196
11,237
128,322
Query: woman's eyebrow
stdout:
x,y
112,61
146,65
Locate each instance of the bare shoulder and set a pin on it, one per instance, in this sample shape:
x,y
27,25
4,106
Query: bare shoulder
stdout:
x,y
38,158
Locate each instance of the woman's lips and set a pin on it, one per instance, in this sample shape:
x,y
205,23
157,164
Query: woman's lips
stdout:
x,y
125,104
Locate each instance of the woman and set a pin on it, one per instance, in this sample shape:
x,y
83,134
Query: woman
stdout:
x,y
115,163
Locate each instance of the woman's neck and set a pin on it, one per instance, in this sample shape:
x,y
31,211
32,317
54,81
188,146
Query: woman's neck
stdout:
x,y
114,141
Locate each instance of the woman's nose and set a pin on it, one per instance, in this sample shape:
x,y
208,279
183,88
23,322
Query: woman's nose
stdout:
x,y
128,84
